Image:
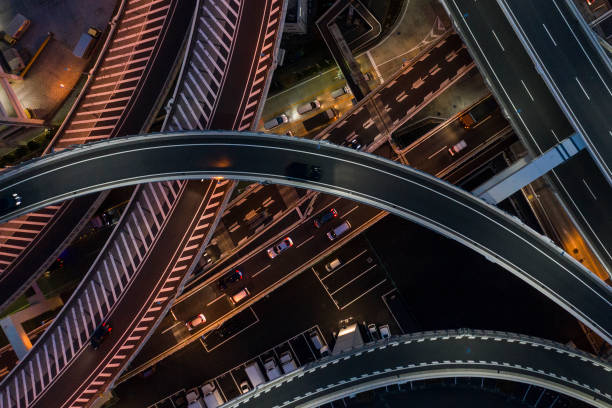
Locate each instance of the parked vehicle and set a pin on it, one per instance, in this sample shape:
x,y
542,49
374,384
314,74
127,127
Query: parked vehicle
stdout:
x,y
280,247
338,231
272,370
212,397
457,147
254,373
316,341
196,321
194,399
86,43
385,332
18,26
325,217
239,296
14,60
100,334
277,121
333,265
373,332
308,107
244,387
320,119
287,363
340,91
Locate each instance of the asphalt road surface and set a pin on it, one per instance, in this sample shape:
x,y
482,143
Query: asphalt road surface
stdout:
x,y
439,355
336,170
535,114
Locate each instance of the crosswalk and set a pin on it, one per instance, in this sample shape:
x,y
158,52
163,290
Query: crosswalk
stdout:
x,y
98,292
205,69
101,108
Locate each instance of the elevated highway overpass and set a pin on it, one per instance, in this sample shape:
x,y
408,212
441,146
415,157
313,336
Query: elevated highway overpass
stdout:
x,y
327,168
440,354
166,223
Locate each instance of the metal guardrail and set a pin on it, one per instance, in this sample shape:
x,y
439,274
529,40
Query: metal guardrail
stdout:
x,y
101,288
527,341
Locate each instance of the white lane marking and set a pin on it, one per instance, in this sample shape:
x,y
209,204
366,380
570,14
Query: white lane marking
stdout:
x,y
260,271
311,237
363,294
354,279
171,327
499,42
350,211
476,245
214,300
341,266
589,188
497,78
527,89
581,47
555,135
437,151
549,35
581,87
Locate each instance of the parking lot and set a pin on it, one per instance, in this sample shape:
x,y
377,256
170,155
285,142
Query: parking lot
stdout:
x,y
301,349
358,274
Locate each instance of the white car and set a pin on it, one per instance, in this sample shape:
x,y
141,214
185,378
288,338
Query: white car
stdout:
x,y
457,147
279,120
196,321
276,250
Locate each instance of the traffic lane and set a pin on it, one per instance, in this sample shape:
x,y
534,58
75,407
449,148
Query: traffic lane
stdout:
x,y
236,84
353,125
363,176
434,57
584,86
400,105
214,303
543,121
255,211
582,184
436,354
541,117
266,271
122,317
433,154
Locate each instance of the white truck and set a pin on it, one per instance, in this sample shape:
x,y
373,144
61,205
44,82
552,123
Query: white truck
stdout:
x,y
272,370
287,362
254,373
212,397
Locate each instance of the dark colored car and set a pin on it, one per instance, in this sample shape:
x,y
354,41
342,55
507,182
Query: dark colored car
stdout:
x,y
355,144
325,217
230,278
100,334
9,203
303,171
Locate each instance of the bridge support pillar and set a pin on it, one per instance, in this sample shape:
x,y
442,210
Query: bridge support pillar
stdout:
x,y
525,171
13,328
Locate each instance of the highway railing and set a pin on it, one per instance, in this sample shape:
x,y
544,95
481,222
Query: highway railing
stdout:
x,y
444,208
101,288
202,78
99,109
401,370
